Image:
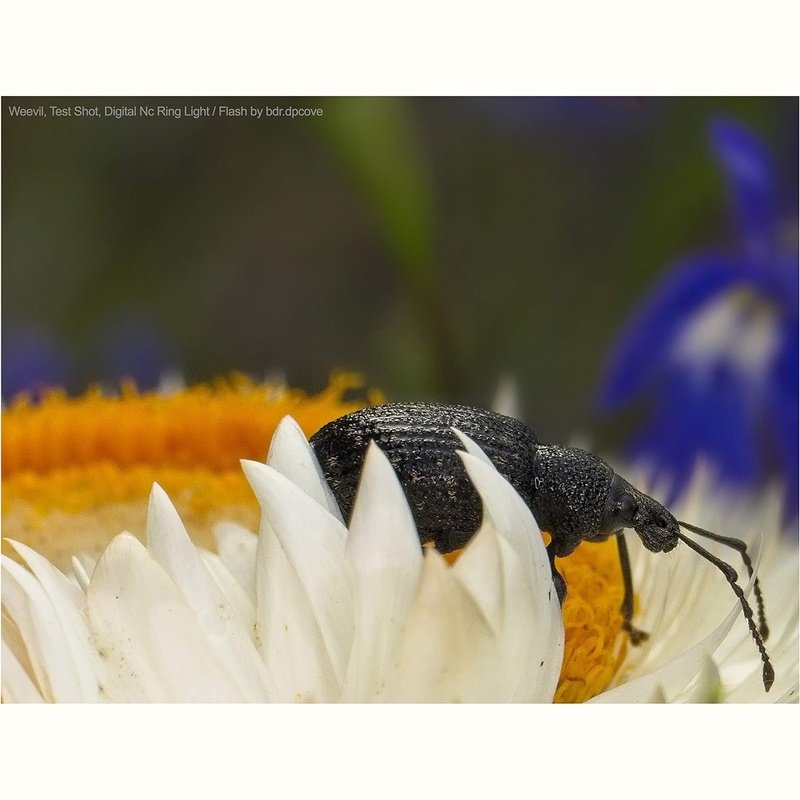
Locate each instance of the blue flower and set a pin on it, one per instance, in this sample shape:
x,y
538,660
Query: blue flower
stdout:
x,y
132,347
33,360
127,347
713,349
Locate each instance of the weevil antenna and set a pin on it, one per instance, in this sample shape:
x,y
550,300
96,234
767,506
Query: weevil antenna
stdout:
x,y
767,673
737,544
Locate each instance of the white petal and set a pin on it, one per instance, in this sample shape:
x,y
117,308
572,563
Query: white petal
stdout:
x,y
650,693
706,688
87,562
230,636
313,541
81,576
531,654
676,674
491,571
69,604
28,605
384,551
154,646
481,570
788,697
783,652
680,606
17,685
236,597
448,652
292,455
655,694
739,662
511,517
533,628
472,448
237,548
287,632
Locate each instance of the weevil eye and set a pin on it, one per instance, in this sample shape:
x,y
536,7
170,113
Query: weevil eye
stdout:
x,y
627,508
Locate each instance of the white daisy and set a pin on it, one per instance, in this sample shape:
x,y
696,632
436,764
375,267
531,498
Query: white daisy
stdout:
x,y
310,610
307,611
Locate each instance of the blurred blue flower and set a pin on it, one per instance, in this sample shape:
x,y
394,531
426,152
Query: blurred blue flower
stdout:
x,y
129,347
132,347
714,346
33,360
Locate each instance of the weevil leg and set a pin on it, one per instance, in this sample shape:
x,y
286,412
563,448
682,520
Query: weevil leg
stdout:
x,y
636,636
558,580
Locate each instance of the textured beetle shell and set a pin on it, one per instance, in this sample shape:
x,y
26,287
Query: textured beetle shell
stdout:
x,y
565,488
419,443
571,487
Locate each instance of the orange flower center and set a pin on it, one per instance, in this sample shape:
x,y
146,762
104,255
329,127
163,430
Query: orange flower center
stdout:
x,y
77,471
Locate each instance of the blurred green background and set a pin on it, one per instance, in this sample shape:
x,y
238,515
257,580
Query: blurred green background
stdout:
x,y
436,245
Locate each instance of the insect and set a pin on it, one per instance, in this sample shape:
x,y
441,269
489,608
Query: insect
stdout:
x,y
574,495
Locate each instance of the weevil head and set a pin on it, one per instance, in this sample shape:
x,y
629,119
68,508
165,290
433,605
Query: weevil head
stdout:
x,y
627,507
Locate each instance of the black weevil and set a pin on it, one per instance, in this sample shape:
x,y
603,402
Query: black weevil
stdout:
x,y
573,495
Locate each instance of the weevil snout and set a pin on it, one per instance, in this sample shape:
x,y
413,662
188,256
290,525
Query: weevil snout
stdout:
x,y
627,507
657,528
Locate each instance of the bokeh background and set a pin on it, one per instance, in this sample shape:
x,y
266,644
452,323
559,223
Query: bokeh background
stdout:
x,y
438,246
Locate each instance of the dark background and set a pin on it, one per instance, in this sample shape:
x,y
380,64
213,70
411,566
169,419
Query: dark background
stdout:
x,y
435,245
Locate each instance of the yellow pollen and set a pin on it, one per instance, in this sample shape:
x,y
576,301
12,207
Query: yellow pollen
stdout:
x,y
72,466
594,645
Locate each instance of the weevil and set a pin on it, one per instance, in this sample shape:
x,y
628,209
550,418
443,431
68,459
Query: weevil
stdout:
x,y
573,495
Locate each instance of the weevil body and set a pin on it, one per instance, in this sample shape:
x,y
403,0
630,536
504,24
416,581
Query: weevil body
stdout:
x,y
574,495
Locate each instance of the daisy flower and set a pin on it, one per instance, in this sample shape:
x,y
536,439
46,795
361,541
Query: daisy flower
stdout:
x,y
309,609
